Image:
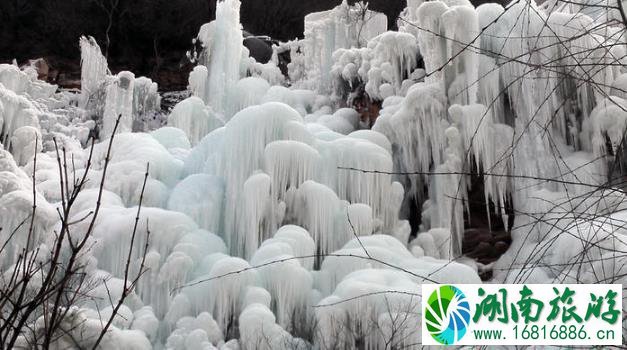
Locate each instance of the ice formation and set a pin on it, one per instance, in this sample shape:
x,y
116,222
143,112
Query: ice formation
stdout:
x,y
289,283
343,27
119,105
223,43
16,201
146,103
383,66
260,331
18,112
416,126
94,70
373,297
275,215
194,118
199,332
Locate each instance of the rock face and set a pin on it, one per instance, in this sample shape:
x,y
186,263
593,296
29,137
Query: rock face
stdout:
x,y
367,108
485,246
260,50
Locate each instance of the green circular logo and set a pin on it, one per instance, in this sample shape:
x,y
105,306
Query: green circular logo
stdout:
x,y
447,315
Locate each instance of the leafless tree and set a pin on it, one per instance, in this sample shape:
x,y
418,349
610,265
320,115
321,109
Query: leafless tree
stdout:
x,y
112,9
42,291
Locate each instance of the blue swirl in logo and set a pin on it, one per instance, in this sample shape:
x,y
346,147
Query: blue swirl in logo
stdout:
x,y
447,315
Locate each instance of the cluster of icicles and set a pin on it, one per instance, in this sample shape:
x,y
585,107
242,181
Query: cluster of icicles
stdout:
x,y
276,219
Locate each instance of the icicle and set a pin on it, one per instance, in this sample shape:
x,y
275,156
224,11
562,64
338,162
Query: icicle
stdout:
x,y
259,331
16,112
359,220
16,201
202,198
246,136
389,250
342,27
287,281
383,65
531,92
318,209
195,333
374,137
247,92
394,57
608,118
223,297
348,158
300,100
198,82
356,286
119,104
206,156
475,128
301,242
416,127
448,192
197,120
359,297
431,44
489,15
619,86
146,104
460,27
255,221
490,92
488,145
290,163
225,55
94,70
409,17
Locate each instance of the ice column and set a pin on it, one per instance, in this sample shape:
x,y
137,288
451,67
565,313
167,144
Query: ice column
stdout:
x,y
225,55
119,102
94,69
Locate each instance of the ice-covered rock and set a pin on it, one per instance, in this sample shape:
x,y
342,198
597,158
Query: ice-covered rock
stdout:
x,y
119,104
287,280
197,120
259,330
393,58
16,111
18,203
146,105
25,143
224,292
202,198
201,332
342,27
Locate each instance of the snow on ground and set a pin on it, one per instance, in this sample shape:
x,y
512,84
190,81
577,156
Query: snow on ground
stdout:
x,y
275,217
